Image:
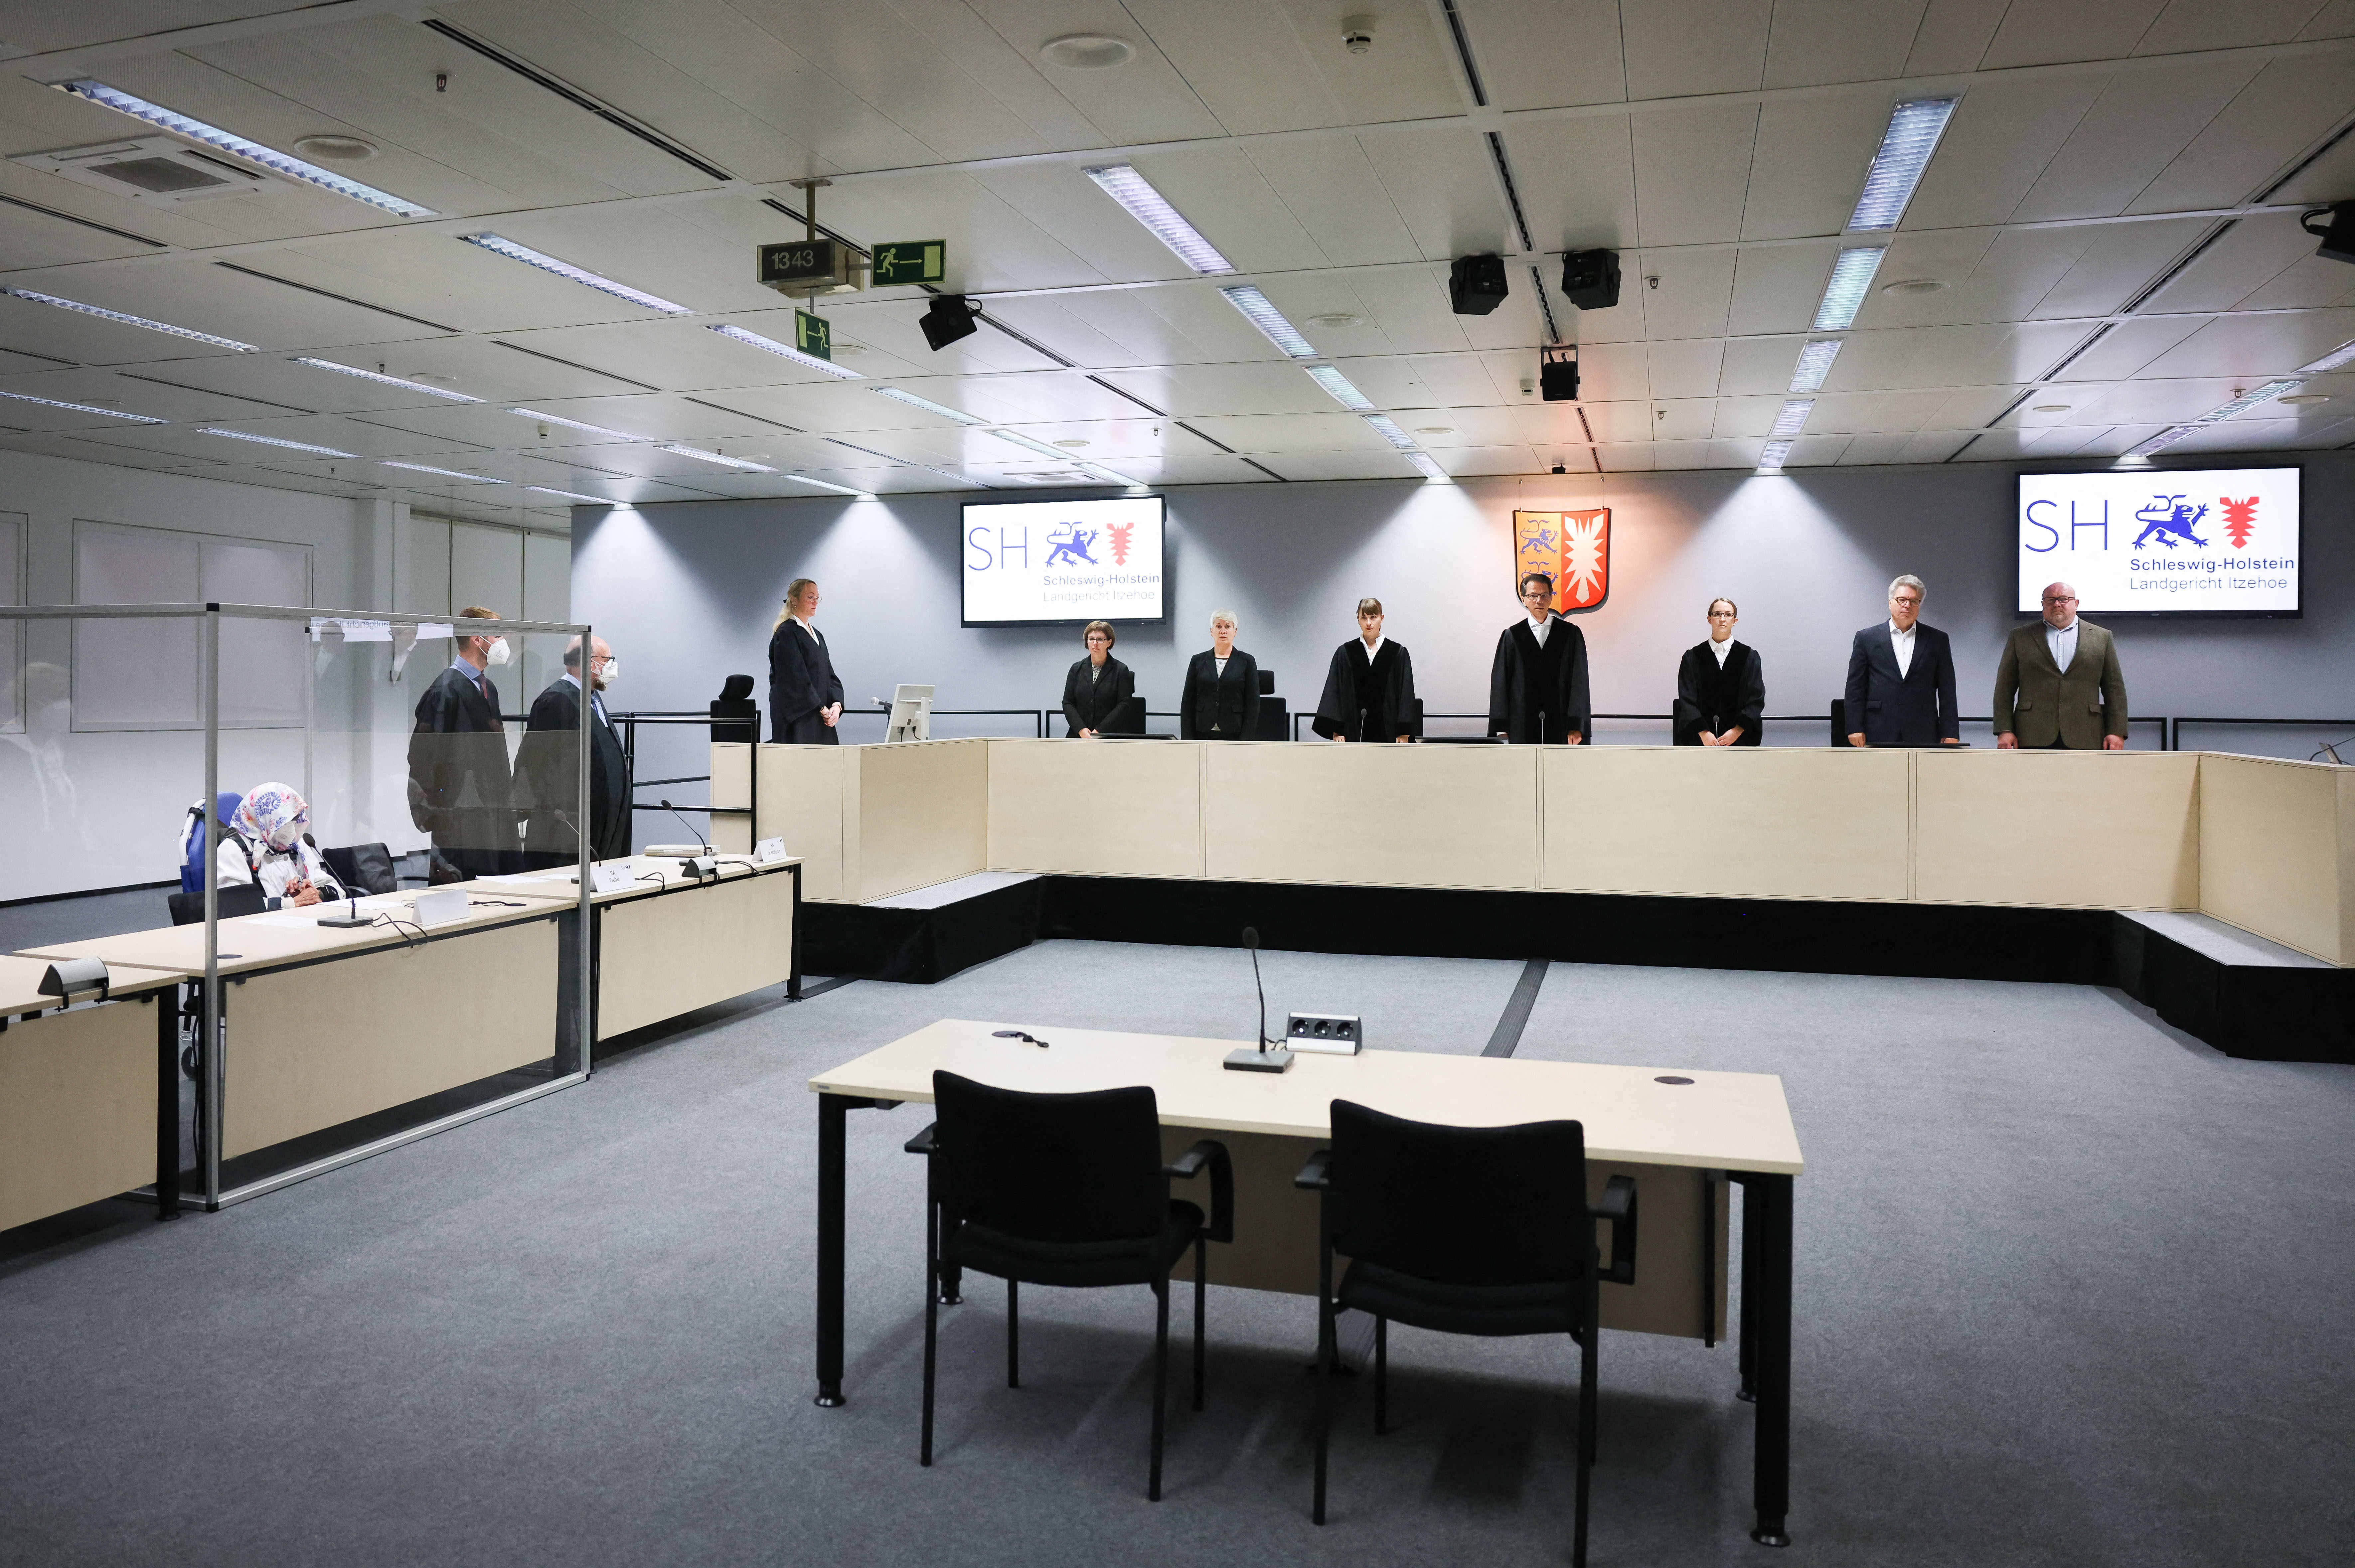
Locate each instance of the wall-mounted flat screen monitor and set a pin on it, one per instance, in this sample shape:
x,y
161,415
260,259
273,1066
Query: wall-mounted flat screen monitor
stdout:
x,y
2175,541
1050,564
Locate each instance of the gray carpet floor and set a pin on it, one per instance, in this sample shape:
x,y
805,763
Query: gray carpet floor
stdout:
x,y
2072,1289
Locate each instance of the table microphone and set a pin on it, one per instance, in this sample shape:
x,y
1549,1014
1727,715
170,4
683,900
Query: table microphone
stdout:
x,y
1262,1059
683,822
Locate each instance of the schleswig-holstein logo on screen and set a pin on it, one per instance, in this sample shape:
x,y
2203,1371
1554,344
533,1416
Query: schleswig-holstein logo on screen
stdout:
x,y
1041,562
2182,540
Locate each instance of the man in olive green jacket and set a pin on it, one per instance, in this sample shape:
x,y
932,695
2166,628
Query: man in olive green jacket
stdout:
x,y
2059,683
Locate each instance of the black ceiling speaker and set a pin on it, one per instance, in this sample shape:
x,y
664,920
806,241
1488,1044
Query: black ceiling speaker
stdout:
x,y
948,318
1475,284
1557,380
2338,232
1591,278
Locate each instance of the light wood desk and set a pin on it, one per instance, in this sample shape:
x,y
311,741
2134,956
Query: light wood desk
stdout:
x,y
89,1098
667,943
1675,1138
333,1025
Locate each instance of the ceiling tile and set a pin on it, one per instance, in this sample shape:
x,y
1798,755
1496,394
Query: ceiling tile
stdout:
x,y
1577,181
2001,139
1816,41
1535,54
1678,47
2138,125
2082,30
1692,172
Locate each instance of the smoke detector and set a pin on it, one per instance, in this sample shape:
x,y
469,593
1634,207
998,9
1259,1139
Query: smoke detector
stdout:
x,y
1357,34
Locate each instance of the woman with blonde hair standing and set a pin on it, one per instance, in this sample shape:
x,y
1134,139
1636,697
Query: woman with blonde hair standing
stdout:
x,y
804,694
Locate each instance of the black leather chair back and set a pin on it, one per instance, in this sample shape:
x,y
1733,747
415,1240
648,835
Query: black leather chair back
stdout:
x,y
1051,1168
364,868
1459,1205
239,898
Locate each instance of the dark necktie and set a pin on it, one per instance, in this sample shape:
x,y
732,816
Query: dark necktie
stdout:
x,y
483,685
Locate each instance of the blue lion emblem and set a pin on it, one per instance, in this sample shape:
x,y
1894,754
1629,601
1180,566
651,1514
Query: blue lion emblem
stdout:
x,y
1070,542
2171,521
1540,542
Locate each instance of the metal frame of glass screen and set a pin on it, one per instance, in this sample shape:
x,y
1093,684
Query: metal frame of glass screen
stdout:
x,y
213,1085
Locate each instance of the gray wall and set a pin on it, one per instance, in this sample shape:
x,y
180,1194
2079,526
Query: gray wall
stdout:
x,y
687,593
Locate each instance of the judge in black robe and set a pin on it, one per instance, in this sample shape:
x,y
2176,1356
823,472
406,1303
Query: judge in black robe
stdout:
x,y
1219,700
461,789
1537,686
1370,686
1721,686
804,694
548,772
1096,687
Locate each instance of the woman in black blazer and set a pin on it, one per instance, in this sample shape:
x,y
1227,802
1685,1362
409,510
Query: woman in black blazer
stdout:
x,y
1097,685
1220,701
1721,686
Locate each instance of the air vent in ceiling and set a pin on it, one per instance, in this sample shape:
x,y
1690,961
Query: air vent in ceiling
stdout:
x,y
1056,477
155,169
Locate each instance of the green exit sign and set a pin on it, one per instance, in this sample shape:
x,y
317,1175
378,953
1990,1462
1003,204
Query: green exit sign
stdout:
x,y
911,262
812,336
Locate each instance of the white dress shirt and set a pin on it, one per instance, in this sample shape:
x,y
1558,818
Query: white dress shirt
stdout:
x,y
2062,643
1538,629
806,626
596,698
1721,649
1221,664
1902,645
1373,647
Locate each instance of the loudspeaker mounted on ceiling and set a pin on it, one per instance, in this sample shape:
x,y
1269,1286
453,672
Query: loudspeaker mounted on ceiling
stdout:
x,y
948,318
2337,233
1590,278
1475,284
1558,376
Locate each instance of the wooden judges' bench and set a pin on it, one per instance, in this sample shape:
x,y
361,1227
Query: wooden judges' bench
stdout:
x,y
2264,845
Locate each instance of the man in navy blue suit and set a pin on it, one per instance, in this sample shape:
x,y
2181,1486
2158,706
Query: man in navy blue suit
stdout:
x,y
1900,678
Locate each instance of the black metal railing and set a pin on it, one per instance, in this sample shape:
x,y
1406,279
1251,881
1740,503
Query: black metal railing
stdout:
x,y
628,724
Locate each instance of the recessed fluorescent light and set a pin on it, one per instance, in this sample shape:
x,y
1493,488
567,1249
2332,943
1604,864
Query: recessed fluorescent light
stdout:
x,y
575,424
571,495
1147,206
770,344
1333,381
37,297
823,485
1912,135
1851,277
1815,364
1792,417
1770,457
1268,319
275,440
1390,431
698,453
445,473
929,407
268,157
83,409
2249,399
1109,477
1426,464
381,380
2142,450
2339,356
566,270
960,479
1041,447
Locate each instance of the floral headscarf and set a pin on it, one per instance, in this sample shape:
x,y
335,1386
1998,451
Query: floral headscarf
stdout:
x,y
273,816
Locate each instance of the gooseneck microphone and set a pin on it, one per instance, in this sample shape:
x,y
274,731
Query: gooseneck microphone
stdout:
x,y
683,822
1266,1056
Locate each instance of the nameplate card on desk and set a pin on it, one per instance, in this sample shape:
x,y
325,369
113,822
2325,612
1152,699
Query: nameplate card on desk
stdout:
x,y
611,877
769,851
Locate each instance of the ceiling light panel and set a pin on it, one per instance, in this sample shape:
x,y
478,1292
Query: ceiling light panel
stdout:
x,y
1844,292
827,485
275,440
1259,313
381,380
270,158
1426,464
83,409
1771,458
577,424
1815,364
1914,127
1792,417
2342,355
498,245
1390,431
36,297
770,346
899,395
2249,399
1339,386
571,496
1147,206
443,473
2165,438
702,456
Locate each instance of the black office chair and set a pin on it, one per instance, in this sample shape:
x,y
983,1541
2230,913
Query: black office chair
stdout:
x,y
735,703
1065,1189
363,867
1468,1230
236,899
1126,717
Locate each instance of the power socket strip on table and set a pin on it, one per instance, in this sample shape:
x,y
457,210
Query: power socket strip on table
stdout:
x,y
1332,1034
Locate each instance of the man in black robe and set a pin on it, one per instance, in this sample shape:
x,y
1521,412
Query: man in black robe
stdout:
x,y
548,770
1537,684
460,788
1369,689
